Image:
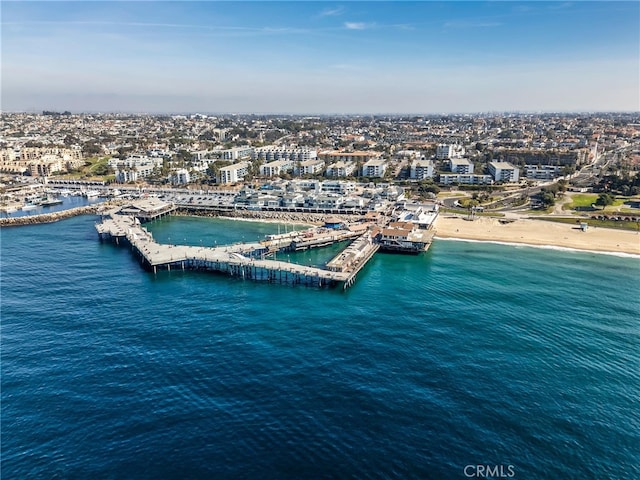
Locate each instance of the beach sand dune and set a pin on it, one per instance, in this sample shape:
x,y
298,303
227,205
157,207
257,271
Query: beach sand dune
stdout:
x,y
539,232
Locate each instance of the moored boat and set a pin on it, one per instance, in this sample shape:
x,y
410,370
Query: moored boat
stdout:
x,y
50,201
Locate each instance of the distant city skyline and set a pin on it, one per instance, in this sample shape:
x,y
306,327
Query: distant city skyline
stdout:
x,y
320,57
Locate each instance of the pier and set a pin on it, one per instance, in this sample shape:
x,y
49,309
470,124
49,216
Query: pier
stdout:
x,y
123,225
246,260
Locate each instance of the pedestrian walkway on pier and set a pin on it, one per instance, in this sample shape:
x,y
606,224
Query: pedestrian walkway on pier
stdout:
x,y
310,238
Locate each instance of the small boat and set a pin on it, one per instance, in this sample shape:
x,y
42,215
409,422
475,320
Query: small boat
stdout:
x,y
28,206
92,193
50,201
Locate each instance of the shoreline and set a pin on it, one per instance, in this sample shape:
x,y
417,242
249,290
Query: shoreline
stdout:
x,y
540,234
523,232
542,247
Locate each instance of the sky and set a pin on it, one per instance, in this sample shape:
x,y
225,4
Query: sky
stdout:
x,y
320,57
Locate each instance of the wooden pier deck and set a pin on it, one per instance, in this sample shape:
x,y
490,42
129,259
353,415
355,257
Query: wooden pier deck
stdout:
x,y
311,238
246,260
353,258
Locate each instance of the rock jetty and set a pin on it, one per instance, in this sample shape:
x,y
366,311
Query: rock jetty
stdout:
x,y
48,217
285,217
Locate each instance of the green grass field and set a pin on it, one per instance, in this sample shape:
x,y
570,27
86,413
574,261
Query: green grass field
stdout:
x,y
584,201
581,200
92,170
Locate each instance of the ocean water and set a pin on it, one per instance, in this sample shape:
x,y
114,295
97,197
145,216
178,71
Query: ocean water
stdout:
x,y
435,366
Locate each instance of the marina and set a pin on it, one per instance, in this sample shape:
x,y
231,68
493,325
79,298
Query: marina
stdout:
x,y
46,205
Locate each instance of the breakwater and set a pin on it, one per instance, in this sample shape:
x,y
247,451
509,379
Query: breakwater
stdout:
x,y
48,217
299,217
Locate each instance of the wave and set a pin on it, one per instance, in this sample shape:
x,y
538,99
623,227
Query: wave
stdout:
x,y
545,247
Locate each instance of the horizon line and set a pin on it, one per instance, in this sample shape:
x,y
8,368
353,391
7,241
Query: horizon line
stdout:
x,y
300,114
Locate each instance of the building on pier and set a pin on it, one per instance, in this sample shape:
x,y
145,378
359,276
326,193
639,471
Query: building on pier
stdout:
x,y
147,209
404,237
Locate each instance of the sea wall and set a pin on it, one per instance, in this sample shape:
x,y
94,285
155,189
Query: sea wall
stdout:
x,y
48,217
297,217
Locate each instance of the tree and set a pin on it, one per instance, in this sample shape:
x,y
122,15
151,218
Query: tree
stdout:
x,y
548,199
91,149
562,185
605,199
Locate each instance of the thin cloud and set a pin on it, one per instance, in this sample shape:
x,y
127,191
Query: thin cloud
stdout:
x,y
356,25
331,12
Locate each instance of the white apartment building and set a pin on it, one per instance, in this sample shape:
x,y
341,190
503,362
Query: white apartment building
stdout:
x,y
36,153
341,169
201,154
421,169
328,201
460,165
276,167
310,167
504,172
180,177
270,154
127,175
333,156
134,167
542,172
335,186
40,161
47,165
465,179
233,173
236,153
374,168
445,150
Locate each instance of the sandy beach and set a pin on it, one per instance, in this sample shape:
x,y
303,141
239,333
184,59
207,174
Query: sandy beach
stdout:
x,y
539,233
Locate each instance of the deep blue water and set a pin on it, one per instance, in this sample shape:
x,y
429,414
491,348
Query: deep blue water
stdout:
x,y
469,354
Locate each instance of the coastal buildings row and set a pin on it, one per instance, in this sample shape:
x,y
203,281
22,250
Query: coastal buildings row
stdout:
x,y
542,147
420,169
40,161
444,135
